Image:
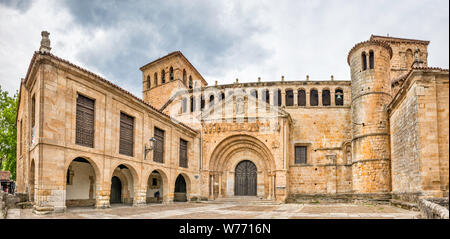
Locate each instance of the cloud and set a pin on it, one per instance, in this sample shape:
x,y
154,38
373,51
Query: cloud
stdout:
x,y
224,40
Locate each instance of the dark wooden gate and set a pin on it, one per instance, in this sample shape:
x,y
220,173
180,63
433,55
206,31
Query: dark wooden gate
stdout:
x,y
116,190
245,179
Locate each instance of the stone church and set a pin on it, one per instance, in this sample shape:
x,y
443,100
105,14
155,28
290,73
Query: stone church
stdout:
x,y
84,141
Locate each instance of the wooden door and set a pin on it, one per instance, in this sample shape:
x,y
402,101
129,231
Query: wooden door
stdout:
x,y
245,179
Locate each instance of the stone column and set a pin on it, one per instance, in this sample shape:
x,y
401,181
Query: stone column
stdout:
x,y
220,185
188,104
211,186
307,98
332,95
140,196
319,96
283,98
198,101
271,97
295,97
270,186
274,187
102,198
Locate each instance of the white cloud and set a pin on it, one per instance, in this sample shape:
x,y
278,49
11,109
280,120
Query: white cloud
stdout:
x,y
225,40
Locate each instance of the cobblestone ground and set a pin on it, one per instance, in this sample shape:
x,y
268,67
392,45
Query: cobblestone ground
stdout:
x,y
230,211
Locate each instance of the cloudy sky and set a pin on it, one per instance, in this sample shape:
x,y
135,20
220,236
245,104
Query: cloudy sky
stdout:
x,y
225,40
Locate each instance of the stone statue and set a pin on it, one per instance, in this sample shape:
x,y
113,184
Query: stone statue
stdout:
x,y
45,42
240,106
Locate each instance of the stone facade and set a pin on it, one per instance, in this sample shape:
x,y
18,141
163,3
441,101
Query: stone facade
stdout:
x,y
384,132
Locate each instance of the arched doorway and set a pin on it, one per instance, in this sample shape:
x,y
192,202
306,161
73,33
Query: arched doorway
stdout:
x,y
224,161
180,189
116,190
155,191
123,176
245,179
31,181
80,183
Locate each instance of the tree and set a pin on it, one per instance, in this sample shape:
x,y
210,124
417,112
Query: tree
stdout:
x,y
8,131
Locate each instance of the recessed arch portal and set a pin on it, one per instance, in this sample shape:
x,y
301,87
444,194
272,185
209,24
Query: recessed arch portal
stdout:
x,y
229,153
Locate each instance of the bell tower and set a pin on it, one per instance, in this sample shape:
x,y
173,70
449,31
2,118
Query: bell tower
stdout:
x,y
370,67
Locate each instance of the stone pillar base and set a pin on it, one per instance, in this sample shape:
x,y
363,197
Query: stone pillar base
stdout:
x,y
139,204
42,210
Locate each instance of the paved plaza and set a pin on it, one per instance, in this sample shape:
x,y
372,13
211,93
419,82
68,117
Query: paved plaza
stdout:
x,y
235,210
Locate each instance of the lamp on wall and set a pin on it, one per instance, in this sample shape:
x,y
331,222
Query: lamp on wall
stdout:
x,y
151,145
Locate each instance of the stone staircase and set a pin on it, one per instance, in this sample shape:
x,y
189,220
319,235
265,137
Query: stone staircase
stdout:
x,y
245,200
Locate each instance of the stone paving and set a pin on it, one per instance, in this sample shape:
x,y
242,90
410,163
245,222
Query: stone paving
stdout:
x,y
230,211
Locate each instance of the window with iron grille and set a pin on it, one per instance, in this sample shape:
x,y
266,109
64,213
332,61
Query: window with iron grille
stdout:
x,y
300,154
85,121
158,151
183,153
126,134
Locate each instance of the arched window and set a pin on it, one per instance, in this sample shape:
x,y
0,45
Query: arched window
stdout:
x,y
409,58
192,104
190,82
184,105
211,100
171,73
364,61
289,98
313,97
148,82
184,77
222,96
155,78
371,59
278,97
326,98
339,97
163,76
301,98
348,153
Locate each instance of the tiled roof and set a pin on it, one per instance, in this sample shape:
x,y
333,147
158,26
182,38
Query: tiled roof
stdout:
x,y
405,76
101,79
399,40
370,42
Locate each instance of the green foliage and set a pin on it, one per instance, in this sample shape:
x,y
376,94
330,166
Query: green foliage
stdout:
x,y
8,131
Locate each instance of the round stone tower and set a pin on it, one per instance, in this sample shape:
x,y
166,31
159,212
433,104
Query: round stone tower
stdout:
x,y
370,66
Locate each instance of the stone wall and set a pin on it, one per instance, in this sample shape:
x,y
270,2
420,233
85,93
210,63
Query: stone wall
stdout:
x,y
405,150
419,135
56,84
434,208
